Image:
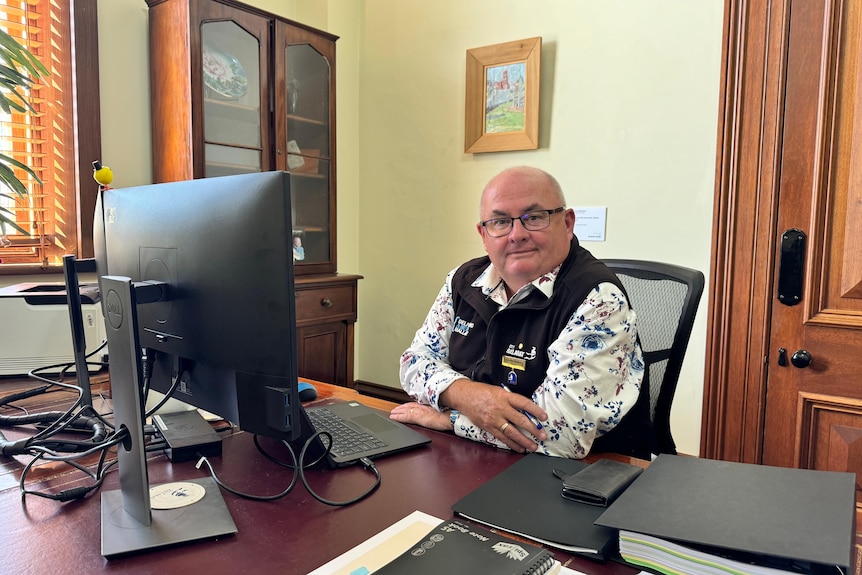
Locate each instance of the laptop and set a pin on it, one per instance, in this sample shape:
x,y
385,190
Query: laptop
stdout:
x,y
374,434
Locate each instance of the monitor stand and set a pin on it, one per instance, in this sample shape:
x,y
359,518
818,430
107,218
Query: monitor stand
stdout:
x,y
71,268
129,523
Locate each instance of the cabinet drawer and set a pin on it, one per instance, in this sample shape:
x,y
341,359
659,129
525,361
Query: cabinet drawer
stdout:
x,y
335,302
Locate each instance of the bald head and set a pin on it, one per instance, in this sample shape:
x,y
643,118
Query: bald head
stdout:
x,y
525,178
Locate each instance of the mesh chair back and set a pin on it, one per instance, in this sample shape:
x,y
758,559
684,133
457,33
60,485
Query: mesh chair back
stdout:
x,y
665,298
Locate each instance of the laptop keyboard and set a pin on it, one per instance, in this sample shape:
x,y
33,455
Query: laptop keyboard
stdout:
x,y
346,440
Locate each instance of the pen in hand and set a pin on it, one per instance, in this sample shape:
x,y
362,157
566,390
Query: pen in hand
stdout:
x,y
529,415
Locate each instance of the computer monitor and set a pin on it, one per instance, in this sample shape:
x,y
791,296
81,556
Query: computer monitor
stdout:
x,y
213,257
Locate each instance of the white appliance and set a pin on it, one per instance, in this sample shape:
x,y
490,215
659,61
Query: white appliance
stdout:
x,y
35,328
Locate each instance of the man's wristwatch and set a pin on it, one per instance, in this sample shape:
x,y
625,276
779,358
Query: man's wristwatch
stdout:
x,y
453,415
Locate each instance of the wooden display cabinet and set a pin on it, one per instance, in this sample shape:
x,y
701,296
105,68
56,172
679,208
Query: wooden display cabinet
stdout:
x,y
235,89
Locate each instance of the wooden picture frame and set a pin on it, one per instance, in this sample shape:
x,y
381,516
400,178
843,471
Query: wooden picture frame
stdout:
x,y
488,128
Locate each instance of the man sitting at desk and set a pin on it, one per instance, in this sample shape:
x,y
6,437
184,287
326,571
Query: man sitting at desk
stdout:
x,y
533,347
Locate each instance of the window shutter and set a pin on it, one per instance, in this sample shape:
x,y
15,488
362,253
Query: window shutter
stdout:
x,y
44,140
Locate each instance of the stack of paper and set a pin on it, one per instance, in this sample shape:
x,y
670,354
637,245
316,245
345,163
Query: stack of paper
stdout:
x,y
673,559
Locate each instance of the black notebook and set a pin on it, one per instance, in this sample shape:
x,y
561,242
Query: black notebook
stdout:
x,y
526,499
456,548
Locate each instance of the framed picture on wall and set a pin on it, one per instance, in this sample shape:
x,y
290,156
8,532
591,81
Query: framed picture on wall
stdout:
x,y
502,97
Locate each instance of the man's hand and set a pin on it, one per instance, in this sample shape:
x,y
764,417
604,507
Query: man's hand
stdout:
x,y
423,415
498,412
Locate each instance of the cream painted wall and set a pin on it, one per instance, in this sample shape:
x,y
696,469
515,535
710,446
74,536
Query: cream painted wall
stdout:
x,y
629,112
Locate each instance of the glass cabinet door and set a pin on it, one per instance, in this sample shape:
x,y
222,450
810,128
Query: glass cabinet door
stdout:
x,y
307,110
233,126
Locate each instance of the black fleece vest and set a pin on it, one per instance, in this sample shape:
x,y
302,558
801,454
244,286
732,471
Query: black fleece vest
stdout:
x,y
510,345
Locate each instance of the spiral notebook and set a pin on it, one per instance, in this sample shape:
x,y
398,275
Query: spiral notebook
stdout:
x,y
457,548
411,546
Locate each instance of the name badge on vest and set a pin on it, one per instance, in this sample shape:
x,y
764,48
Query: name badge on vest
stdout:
x,y
514,362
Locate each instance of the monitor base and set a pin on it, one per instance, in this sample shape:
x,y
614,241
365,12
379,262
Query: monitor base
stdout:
x,y
207,518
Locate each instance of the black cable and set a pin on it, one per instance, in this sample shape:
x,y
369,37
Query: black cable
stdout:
x,y
367,463
238,493
18,407
147,361
61,455
66,366
42,445
53,422
298,470
50,417
102,469
66,494
76,492
174,385
266,454
29,445
13,397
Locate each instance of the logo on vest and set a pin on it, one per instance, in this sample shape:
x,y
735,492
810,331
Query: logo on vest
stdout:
x,y
461,326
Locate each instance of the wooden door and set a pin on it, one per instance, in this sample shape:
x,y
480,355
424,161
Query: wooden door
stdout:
x,y
789,159
814,410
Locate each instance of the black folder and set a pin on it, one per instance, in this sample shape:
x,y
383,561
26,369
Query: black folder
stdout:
x,y
757,510
526,499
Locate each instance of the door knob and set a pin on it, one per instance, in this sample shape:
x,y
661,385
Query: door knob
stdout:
x,y
800,358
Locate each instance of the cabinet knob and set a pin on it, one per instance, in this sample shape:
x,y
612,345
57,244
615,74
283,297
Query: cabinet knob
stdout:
x,y
326,302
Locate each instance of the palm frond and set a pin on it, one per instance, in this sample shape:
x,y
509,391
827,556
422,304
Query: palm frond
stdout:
x,y
19,70
16,55
9,221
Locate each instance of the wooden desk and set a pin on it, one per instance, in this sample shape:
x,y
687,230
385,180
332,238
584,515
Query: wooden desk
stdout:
x,y
293,535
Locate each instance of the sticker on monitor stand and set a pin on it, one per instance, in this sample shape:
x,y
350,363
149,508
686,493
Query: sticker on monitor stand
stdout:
x,y
175,495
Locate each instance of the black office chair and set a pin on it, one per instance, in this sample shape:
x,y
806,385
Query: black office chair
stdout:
x,y
665,298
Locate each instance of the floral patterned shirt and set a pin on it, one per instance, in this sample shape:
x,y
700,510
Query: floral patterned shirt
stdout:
x,y
594,375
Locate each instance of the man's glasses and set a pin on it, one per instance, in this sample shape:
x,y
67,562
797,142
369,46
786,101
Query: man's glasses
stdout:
x,y
532,221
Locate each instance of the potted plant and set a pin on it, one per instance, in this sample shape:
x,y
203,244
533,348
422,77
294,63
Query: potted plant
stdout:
x,y
19,70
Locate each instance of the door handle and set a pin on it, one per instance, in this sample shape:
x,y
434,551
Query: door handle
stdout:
x,y
791,267
800,358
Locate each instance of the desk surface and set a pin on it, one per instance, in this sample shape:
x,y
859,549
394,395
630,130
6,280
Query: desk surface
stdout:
x,y
292,535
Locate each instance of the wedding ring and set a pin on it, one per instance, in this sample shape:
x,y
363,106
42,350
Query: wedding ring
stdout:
x,y
504,426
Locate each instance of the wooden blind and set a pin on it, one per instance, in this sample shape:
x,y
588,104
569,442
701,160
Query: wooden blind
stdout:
x,y
44,140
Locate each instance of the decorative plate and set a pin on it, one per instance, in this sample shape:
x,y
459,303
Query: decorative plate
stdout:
x,y
224,74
